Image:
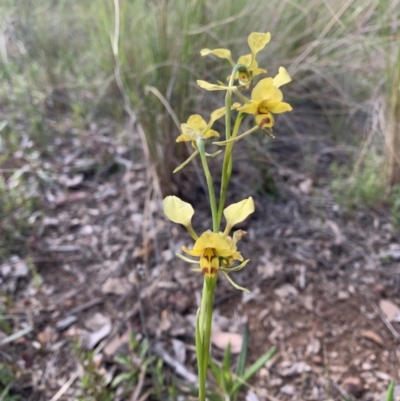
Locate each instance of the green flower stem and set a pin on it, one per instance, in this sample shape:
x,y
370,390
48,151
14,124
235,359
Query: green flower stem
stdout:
x,y
228,101
208,323
227,167
210,184
200,344
203,333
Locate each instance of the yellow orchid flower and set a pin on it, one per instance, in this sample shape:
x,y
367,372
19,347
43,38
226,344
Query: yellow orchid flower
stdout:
x,y
210,247
257,41
216,251
266,98
196,127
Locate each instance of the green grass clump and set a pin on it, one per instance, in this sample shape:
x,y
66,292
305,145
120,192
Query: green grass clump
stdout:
x,y
364,187
135,371
18,200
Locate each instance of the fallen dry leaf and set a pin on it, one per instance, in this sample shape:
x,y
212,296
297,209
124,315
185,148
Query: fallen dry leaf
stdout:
x,y
389,309
115,285
372,336
221,340
117,343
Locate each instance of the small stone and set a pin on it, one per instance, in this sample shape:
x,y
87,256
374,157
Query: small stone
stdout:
x,y
295,369
275,382
343,295
86,230
354,386
288,389
286,290
366,366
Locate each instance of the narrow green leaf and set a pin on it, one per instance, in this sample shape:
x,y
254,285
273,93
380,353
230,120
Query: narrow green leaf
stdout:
x,y
216,372
226,363
4,393
121,377
390,393
226,369
257,365
241,363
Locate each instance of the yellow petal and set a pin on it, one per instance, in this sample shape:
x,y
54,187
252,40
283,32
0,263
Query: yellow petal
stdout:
x,y
278,107
258,71
188,133
246,59
282,78
221,53
238,212
210,132
183,137
196,121
178,211
193,252
212,87
216,114
257,41
263,90
250,108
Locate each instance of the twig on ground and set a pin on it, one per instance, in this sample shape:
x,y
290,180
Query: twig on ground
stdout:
x,y
66,385
174,364
139,385
85,306
16,335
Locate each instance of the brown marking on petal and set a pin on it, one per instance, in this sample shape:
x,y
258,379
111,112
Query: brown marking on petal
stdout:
x,y
213,271
265,122
204,270
209,255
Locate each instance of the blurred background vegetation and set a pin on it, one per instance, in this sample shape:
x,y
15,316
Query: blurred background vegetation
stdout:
x,y
57,58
